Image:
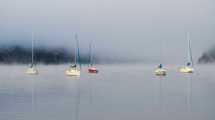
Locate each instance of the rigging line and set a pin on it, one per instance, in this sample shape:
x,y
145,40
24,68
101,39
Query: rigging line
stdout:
x,y
32,48
78,58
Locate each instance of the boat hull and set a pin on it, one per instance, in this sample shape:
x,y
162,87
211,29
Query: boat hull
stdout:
x,y
186,70
32,71
72,72
92,70
160,72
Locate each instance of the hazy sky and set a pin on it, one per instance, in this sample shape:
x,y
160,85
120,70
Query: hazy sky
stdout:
x,y
142,29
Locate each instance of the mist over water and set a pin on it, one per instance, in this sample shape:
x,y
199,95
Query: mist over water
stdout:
x,y
125,33
119,28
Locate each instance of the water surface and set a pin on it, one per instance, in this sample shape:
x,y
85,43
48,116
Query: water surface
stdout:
x,y
118,92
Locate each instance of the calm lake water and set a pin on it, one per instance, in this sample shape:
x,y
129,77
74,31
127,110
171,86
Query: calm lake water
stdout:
x,y
118,92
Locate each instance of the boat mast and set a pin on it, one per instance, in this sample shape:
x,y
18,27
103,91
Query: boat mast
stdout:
x,y
32,49
78,52
190,58
75,58
161,51
90,54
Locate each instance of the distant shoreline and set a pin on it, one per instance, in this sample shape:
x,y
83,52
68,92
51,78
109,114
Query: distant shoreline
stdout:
x,y
207,57
22,55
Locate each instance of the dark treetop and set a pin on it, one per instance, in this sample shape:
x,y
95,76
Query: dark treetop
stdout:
x,y
208,57
22,55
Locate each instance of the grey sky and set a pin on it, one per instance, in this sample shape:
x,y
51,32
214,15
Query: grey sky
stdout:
x,y
122,28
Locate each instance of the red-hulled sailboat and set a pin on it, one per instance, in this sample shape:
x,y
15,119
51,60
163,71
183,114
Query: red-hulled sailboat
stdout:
x,y
91,69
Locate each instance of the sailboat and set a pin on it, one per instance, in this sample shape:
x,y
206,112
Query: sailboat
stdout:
x,y
160,70
91,69
73,69
32,70
189,67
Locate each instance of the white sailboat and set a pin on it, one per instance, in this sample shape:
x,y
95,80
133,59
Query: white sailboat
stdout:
x,y
32,70
189,67
73,69
92,68
160,70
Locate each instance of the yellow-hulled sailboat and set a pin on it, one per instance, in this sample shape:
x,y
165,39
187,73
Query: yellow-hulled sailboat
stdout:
x,y
32,70
73,69
160,71
189,67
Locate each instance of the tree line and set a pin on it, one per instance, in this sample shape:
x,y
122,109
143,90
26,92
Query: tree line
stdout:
x,y
42,55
